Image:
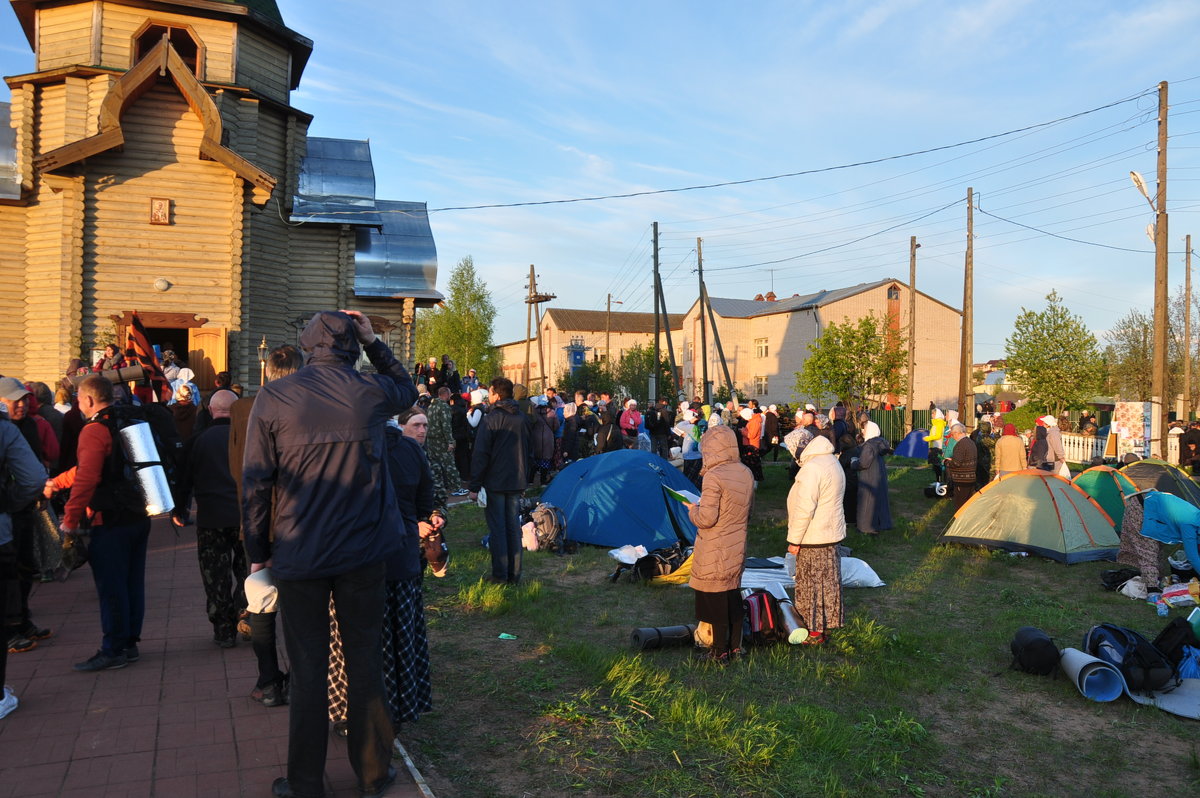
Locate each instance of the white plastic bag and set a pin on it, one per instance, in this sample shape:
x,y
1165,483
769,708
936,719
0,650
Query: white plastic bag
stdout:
x,y
628,554
482,498
856,573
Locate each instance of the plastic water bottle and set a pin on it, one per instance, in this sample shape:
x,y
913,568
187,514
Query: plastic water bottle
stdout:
x,y
1161,608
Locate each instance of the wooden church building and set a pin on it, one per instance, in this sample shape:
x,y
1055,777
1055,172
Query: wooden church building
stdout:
x,y
152,162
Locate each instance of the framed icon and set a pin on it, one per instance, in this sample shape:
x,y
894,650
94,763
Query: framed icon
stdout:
x,y
160,210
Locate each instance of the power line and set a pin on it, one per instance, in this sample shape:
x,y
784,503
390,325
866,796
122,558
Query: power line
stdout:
x,y
1066,238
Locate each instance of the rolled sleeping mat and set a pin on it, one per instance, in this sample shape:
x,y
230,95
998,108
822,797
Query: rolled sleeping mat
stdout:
x,y
651,637
1095,679
794,627
138,444
115,376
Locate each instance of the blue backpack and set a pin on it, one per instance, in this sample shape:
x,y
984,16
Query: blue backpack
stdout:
x,y
1144,667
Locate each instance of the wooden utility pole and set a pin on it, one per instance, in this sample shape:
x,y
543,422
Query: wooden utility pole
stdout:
x,y
662,300
653,395
608,361
1187,329
966,402
1158,380
528,324
705,391
533,300
912,330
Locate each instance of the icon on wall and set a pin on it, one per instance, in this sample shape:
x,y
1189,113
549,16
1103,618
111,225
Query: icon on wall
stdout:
x,y
160,210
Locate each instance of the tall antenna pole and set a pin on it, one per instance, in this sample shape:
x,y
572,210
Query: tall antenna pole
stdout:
x,y
653,397
705,391
966,404
912,329
533,301
1158,426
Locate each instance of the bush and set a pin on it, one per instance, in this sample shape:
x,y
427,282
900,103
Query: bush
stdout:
x,y
1023,418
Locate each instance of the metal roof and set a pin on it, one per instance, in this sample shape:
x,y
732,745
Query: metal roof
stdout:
x,y
399,260
748,308
597,320
10,182
337,184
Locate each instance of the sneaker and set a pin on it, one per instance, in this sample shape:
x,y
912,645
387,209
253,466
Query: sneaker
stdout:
x,y
32,632
9,702
103,662
274,694
19,644
815,639
132,655
462,492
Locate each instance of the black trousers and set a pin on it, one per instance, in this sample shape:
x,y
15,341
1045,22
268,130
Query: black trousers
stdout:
x,y
304,603
724,611
8,576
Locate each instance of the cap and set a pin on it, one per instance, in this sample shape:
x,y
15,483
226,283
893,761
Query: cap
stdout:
x,y
1049,421
12,389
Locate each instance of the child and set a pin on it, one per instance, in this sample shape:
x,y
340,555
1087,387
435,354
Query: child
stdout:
x,y
721,517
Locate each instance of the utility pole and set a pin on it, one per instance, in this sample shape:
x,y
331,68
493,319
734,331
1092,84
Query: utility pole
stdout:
x,y
1187,329
966,406
1158,426
653,397
528,324
662,300
705,391
912,329
533,300
608,333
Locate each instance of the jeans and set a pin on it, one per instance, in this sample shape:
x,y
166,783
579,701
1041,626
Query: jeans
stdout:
x,y
504,530
304,604
661,446
117,553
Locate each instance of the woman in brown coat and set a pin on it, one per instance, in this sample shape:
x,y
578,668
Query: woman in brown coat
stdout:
x,y
721,517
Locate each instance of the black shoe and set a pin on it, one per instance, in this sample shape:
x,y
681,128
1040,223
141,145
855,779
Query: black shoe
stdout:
x,y
103,662
33,632
225,641
341,728
281,789
19,644
132,655
274,694
379,788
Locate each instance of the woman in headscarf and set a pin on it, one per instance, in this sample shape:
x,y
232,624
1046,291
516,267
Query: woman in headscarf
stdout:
x,y
690,430
184,410
874,513
816,525
750,435
721,518
1038,449
1010,452
848,453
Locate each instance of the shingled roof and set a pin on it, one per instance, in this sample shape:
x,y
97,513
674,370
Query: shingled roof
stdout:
x,y
600,320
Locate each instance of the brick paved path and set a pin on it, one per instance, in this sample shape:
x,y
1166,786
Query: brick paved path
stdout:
x,y
176,724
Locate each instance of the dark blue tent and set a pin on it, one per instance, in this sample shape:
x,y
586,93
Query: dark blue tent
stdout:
x,y
617,497
913,445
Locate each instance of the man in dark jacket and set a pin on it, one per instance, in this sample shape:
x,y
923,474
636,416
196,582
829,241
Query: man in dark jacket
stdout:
x,y
500,464
962,466
659,420
206,475
314,474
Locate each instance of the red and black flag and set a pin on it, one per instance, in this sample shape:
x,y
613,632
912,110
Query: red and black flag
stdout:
x,y
139,342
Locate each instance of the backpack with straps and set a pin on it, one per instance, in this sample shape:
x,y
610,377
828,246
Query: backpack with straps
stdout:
x,y
761,624
1033,651
550,526
1144,667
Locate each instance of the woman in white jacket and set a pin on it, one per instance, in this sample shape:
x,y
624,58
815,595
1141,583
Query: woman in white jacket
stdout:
x,y
816,524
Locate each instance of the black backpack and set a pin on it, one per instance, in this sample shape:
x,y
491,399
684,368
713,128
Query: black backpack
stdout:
x,y
1033,651
1144,667
120,493
1173,638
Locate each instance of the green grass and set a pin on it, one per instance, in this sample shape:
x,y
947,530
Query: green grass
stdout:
x,y
912,697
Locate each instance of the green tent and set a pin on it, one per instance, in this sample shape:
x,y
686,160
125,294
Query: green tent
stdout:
x,y
1108,487
1038,512
1159,475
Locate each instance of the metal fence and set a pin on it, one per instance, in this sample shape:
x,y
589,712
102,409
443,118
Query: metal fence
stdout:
x,y
891,422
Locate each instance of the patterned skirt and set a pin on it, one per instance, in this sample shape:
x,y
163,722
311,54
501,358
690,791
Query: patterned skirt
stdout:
x,y
819,587
406,679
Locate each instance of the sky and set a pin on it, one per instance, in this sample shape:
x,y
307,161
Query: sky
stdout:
x,y
1042,108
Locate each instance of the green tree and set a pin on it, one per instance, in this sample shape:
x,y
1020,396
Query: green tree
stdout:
x,y
631,376
1054,357
591,377
855,361
461,327
1130,354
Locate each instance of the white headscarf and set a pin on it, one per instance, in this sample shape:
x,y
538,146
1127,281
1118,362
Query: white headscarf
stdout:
x,y
871,431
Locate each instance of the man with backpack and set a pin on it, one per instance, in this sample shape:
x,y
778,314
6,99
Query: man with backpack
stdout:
x,y
105,493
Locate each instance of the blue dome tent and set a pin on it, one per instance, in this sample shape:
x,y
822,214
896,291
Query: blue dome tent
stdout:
x,y
616,498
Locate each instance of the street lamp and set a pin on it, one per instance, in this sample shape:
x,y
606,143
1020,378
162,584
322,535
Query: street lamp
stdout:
x,y
262,361
1158,376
